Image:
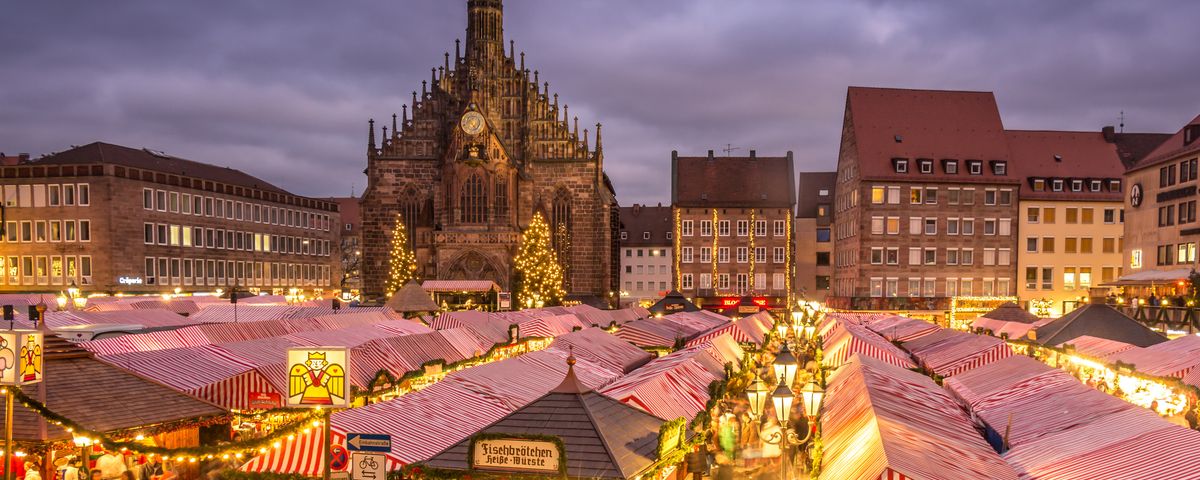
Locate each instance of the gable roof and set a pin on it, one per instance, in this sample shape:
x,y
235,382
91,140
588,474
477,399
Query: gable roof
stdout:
x,y
1011,312
638,219
1097,320
1170,148
412,298
1065,155
752,181
1133,147
602,437
107,153
672,302
933,124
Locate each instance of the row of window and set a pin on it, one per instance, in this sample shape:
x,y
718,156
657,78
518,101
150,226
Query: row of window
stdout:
x,y
1073,277
1073,215
1186,214
646,269
928,287
929,195
187,271
39,231
185,236
53,195
637,287
1176,254
188,204
1074,244
1077,184
741,282
1187,173
46,270
929,226
654,252
929,256
645,235
779,228
925,165
743,254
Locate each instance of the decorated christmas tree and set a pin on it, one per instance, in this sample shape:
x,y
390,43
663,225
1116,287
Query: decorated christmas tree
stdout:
x,y
539,277
402,262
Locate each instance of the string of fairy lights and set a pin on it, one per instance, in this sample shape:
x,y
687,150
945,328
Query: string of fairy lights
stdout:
x,y
537,265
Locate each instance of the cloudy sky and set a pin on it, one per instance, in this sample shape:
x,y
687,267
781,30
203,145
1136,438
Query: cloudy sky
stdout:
x,y
283,89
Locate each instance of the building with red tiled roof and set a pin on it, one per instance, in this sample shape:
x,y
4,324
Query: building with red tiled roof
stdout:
x,y
115,219
647,235
926,201
733,228
813,237
1161,229
1071,224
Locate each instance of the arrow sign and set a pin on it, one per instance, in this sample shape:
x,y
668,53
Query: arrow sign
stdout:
x,y
369,442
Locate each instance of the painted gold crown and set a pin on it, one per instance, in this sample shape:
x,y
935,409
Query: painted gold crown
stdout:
x,y
316,356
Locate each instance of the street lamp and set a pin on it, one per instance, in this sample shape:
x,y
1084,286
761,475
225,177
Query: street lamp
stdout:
x,y
785,365
812,395
756,393
783,398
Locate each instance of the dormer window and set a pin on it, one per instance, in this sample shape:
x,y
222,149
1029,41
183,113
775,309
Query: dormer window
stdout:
x,y
926,166
823,192
624,235
901,165
1076,185
950,166
669,236
1114,185
1056,185
999,168
645,235
1039,185
1096,185
975,167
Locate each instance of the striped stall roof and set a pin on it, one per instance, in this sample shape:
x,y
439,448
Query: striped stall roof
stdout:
x,y
1096,347
459,286
607,350
1174,358
724,349
245,312
902,329
662,331
853,339
669,387
465,341
950,352
539,372
178,306
200,371
882,421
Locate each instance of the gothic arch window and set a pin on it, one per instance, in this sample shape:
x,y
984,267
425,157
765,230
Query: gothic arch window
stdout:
x,y
473,200
501,197
560,224
410,211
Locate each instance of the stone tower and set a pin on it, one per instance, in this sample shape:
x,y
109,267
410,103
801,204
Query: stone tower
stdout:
x,y
484,146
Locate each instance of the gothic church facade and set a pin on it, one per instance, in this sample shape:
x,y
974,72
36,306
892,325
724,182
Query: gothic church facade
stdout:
x,y
487,145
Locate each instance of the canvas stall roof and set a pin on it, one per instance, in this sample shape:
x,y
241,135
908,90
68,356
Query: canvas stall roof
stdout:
x,y
724,349
412,298
662,331
857,339
459,286
1175,358
224,313
490,327
669,387
1128,445
550,326
465,341
901,329
1038,404
604,318
149,318
539,372
326,309
1096,347
605,349
205,372
1011,312
1153,277
950,352
141,401
882,421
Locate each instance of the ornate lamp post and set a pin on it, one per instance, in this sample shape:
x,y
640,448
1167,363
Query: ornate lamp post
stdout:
x,y
785,365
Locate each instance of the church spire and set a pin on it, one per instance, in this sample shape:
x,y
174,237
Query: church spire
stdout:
x,y
485,30
371,137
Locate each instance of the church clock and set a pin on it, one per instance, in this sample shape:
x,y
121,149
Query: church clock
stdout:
x,y
472,123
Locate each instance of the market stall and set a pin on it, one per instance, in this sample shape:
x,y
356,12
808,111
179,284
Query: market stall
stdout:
x,y
672,386
902,329
854,339
950,352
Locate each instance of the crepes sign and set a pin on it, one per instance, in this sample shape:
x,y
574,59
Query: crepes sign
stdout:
x,y
516,455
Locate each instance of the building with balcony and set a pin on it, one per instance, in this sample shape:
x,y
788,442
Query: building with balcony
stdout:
x,y
813,237
1071,226
925,201
733,228
1161,231
647,238
114,219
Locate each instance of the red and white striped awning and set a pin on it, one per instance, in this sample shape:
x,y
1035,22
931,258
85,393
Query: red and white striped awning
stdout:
x,y
950,352
670,387
882,421
1096,347
459,286
902,329
853,339
1175,358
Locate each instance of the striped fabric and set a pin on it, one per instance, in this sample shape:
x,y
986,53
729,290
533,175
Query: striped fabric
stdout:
x,y
882,421
672,386
1099,348
201,371
1127,448
853,338
902,329
1175,358
245,312
609,351
459,286
949,352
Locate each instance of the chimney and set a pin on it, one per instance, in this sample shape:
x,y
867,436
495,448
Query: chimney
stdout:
x,y
1191,133
753,154
710,155
1110,133
637,209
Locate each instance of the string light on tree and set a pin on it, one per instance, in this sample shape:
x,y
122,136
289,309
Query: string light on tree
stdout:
x,y
403,264
539,275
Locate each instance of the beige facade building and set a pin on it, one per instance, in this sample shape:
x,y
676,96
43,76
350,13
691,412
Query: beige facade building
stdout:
x,y
647,238
1072,216
113,219
733,228
813,237
1161,230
